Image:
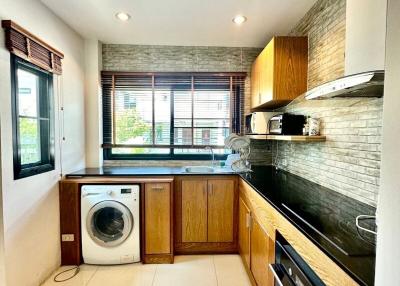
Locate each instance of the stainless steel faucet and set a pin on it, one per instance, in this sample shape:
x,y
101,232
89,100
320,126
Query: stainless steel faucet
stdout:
x,y
212,155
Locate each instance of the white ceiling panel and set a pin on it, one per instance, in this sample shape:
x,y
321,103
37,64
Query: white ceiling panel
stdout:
x,y
181,22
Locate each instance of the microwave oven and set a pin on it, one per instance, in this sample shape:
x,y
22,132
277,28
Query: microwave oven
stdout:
x,y
256,123
286,124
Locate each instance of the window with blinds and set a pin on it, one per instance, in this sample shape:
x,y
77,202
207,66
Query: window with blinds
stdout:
x,y
169,115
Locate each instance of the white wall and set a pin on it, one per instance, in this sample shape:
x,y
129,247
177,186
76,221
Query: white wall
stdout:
x,y
2,265
388,250
93,113
365,35
30,205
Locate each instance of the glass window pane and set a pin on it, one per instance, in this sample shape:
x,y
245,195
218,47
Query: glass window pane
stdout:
x,y
211,122
183,136
133,151
183,104
211,103
28,87
133,116
201,151
183,122
210,136
162,116
29,141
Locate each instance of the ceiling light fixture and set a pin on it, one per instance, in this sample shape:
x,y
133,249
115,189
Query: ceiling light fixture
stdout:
x,y
122,16
239,19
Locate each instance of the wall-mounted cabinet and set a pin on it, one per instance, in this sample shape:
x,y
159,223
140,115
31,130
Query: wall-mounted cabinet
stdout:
x,y
279,73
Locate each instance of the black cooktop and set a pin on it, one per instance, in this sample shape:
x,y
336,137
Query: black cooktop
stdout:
x,y
325,216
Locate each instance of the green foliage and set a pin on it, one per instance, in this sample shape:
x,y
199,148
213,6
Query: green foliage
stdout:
x,y
129,125
28,132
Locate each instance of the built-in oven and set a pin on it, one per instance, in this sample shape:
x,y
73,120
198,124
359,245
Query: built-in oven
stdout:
x,y
289,268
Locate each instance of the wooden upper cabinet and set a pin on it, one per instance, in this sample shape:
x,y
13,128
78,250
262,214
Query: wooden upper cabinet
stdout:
x,y
244,232
221,205
262,254
157,218
194,210
279,73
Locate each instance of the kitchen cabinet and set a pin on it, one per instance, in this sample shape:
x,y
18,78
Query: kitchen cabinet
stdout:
x,y
244,232
221,208
279,73
261,254
194,210
157,222
206,214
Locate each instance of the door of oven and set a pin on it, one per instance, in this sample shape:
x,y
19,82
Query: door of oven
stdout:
x,y
290,269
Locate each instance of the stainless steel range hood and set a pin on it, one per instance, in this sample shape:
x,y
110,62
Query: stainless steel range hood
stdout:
x,y
366,84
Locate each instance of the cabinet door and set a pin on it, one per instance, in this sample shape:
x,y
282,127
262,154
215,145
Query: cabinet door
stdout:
x,y
244,232
267,73
194,210
221,197
261,255
255,83
157,218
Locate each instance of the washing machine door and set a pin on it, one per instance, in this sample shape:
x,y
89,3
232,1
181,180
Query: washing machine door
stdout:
x,y
109,223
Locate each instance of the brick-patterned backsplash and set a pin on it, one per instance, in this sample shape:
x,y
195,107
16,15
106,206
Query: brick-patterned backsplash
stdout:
x,y
349,161
325,26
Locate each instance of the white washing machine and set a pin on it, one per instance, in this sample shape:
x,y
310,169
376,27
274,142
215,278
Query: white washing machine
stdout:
x,y
110,224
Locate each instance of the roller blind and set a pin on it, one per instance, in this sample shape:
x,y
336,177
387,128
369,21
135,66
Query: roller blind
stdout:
x,y
29,47
165,113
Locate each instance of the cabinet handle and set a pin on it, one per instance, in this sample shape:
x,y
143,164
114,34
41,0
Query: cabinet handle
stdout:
x,y
157,188
248,220
277,279
259,97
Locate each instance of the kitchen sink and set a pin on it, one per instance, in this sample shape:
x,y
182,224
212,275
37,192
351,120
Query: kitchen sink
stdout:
x,y
199,169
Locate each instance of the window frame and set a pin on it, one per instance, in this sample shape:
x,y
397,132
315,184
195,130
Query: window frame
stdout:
x,y
47,141
107,148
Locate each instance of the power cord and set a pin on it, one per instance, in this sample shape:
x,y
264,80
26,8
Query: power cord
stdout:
x,y
76,268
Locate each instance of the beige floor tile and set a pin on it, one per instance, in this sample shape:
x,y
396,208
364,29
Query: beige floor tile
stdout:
x,y
230,271
81,279
124,275
189,270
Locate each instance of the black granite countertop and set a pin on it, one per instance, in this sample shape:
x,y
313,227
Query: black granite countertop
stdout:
x,y
324,216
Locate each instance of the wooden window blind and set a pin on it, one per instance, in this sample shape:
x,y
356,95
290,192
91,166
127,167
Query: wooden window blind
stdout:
x,y
170,114
29,47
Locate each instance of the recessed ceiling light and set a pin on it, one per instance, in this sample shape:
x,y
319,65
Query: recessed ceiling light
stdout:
x,y
122,16
239,19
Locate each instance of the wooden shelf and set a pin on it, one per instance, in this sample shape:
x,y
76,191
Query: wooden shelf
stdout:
x,y
296,138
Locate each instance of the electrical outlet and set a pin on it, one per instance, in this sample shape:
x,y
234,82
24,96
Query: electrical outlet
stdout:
x,y
67,237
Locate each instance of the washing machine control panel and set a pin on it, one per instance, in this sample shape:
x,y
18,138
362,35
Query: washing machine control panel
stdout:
x,y
110,190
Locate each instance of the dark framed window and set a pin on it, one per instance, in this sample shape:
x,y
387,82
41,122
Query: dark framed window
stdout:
x,y
170,115
32,118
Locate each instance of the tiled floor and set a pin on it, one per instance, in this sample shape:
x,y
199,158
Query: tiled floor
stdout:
x,y
191,270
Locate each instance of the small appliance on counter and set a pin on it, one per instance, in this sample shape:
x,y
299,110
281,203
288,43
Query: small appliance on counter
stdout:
x,y
286,124
257,122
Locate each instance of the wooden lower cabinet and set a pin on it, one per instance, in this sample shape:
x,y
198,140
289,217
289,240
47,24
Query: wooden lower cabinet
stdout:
x,y
206,214
158,247
244,232
221,210
194,210
261,255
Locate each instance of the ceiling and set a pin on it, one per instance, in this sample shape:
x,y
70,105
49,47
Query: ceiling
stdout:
x,y
181,22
